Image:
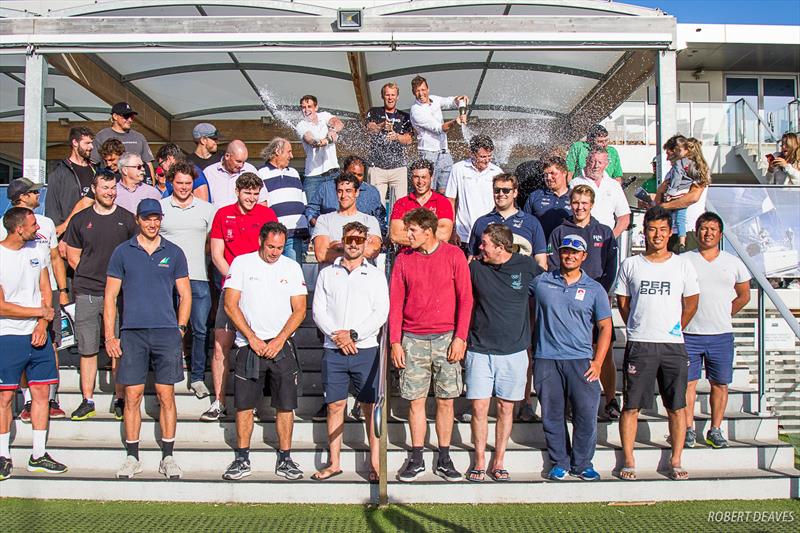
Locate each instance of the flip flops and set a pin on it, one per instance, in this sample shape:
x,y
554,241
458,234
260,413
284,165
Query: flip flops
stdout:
x,y
677,473
500,474
318,477
476,476
627,473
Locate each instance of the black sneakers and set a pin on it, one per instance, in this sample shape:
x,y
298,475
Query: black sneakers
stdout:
x,y
288,469
446,470
238,469
5,468
412,471
46,464
84,411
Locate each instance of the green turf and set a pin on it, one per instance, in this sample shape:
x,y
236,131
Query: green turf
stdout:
x,y
794,440
67,516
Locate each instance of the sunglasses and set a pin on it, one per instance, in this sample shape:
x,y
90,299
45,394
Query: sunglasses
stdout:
x,y
573,243
354,239
503,190
138,167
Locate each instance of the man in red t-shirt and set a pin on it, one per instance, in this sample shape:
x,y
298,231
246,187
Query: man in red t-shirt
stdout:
x,y
234,232
421,196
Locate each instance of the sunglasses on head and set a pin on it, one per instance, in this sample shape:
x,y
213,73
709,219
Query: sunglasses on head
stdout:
x,y
574,243
504,190
354,239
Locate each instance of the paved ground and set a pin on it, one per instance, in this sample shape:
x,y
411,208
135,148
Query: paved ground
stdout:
x,y
118,517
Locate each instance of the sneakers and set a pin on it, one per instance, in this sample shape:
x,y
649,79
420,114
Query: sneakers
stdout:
x,y
56,411
557,474
446,470
322,414
214,412
612,410
46,464
588,474
288,469
5,468
691,438
238,469
84,411
356,412
119,408
129,468
169,468
412,471
199,389
25,414
715,439
526,414
466,416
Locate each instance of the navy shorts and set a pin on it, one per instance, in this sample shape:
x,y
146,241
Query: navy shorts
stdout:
x,y
162,346
17,354
648,363
716,351
361,369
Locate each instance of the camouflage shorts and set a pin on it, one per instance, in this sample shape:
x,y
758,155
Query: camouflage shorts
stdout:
x,y
426,358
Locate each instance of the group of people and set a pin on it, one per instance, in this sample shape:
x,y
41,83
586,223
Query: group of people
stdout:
x,y
484,298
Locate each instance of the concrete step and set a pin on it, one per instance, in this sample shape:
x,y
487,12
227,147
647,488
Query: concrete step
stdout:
x,y
650,429
207,486
355,456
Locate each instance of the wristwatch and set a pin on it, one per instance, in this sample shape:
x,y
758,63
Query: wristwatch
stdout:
x,y
353,335
64,290
182,327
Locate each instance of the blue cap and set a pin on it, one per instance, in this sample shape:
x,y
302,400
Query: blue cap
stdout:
x,y
574,242
148,207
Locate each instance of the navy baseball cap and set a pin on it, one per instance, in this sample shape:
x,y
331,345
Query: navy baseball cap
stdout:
x,y
575,242
123,108
148,207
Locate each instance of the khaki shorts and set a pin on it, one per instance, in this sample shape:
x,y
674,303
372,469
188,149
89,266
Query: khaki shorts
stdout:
x,y
425,358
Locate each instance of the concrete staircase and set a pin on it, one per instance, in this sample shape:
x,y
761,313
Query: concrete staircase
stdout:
x,y
757,465
758,166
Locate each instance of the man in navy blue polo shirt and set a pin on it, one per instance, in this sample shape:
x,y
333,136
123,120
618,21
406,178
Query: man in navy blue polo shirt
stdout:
x,y
568,305
147,269
551,206
528,235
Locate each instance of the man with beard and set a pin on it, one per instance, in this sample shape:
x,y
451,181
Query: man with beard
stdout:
x,y
71,179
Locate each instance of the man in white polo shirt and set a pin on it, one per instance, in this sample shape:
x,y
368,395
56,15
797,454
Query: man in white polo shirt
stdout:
x,y
187,223
351,303
264,347
431,129
469,188
221,177
724,291
319,132
610,205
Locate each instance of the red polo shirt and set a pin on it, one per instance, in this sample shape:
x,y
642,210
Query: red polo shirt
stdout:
x,y
240,231
437,203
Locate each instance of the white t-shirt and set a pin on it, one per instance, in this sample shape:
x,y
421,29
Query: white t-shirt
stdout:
x,y
427,121
266,290
318,159
656,291
46,239
19,277
716,280
474,192
610,202
331,224
188,227
694,211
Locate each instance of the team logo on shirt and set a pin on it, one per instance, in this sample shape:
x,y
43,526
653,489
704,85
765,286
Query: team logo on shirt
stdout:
x,y
631,369
516,281
597,238
164,263
676,330
580,294
89,225
34,262
663,288
517,223
284,281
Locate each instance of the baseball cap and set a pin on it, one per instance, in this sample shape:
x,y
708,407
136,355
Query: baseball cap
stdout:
x,y
148,207
123,108
575,242
204,129
20,186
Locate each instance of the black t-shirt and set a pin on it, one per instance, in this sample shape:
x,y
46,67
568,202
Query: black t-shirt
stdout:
x,y
195,159
500,316
97,236
383,153
85,177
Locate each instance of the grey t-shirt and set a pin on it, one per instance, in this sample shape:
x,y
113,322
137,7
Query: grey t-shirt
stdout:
x,y
188,228
134,142
331,224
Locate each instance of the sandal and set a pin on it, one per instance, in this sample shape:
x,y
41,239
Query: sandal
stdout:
x,y
677,473
627,473
475,475
499,474
319,476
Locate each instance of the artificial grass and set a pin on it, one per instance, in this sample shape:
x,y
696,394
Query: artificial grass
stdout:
x,y
20,515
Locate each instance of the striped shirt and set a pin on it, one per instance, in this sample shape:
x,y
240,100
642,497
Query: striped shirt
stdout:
x,y
285,196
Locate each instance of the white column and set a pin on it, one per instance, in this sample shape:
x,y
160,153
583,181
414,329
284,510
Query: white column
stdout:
x,y
666,103
35,130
